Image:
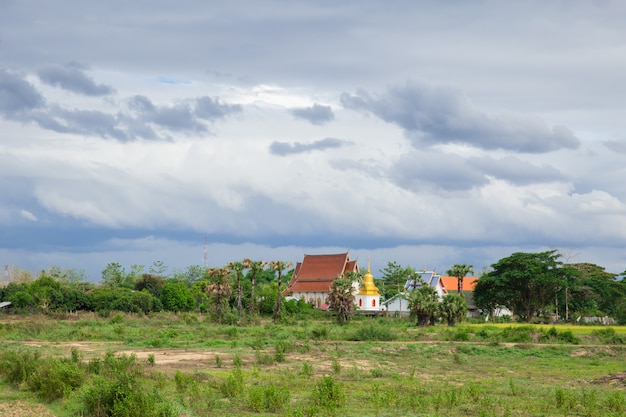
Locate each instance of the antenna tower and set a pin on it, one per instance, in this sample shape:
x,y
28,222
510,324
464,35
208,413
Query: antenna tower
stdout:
x,y
205,254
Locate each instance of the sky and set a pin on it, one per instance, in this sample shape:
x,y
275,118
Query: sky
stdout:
x,y
425,133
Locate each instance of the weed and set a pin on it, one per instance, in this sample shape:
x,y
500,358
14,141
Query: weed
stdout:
x,y
270,398
233,386
218,361
336,366
373,332
307,370
151,360
328,394
320,333
237,361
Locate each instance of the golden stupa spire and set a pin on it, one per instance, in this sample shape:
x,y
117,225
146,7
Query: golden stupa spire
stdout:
x,y
368,288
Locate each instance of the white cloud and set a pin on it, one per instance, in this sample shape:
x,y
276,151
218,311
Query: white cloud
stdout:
x,y
28,215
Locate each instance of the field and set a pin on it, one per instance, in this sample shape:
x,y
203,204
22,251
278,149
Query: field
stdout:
x,y
184,365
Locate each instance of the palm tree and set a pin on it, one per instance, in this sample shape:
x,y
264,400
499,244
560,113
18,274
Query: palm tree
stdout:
x,y
423,303
278,266
255,267
453,308
237,267
341,299
219,290
460,271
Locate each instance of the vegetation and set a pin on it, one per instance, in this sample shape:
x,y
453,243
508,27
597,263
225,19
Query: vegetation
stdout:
x,y
341,299
307,368
460,271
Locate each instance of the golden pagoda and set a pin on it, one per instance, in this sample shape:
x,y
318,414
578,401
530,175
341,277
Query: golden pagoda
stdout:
x,y
368,297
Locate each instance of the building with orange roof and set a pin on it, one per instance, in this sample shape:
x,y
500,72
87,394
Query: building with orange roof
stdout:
x,y
313,277
452,283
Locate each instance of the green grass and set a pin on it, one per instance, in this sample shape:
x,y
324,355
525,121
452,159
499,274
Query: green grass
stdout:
x,y
369,367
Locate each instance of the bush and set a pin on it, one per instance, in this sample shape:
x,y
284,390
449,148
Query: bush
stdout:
x,y
269,398
373,332
54,378
328,394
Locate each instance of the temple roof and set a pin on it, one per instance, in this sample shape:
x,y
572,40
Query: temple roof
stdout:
x,y
316,273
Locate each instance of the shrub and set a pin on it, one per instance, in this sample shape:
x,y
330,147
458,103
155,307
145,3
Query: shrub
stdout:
x,y
328,394
269,398
233,386
373,332
54,378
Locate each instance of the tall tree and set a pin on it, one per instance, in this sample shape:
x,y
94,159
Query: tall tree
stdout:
x,y
237,268
219,290
460,271
525,283
393,278
341,299
279,267
254,268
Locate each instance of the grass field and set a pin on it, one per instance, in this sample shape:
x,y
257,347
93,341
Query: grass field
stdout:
x,y
183,365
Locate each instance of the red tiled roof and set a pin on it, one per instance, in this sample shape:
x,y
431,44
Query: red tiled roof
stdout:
x,y
452,283
322,267
317,272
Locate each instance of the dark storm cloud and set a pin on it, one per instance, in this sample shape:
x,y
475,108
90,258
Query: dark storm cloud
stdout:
x,y
178,118
436,172
83,122
211,109
17,95
72,77
418,171
618,146
315,114
284,148
516,171
431,116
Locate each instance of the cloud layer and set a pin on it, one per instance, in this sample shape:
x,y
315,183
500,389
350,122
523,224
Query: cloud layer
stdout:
x,y
425,133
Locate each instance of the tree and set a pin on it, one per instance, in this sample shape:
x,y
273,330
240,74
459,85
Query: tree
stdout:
x,y
453,308
219,290
423,302
460,271
279,267
525,283
341,299
158,268
393,279
254,268
175,296
151,283
237,268
114,276
595,291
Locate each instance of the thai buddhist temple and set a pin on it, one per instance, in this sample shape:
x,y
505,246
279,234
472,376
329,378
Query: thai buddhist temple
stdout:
x,y
313,277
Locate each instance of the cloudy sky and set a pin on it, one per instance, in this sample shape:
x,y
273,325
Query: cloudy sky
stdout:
x,y
423,132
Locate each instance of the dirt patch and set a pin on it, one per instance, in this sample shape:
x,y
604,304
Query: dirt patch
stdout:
x,y
23,409
615,379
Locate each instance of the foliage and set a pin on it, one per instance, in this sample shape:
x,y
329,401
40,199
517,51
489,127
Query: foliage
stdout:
x,y
151,283
452,308
393,279
175,296
279,267
525,283
219,291
341,299
423,302
460,271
